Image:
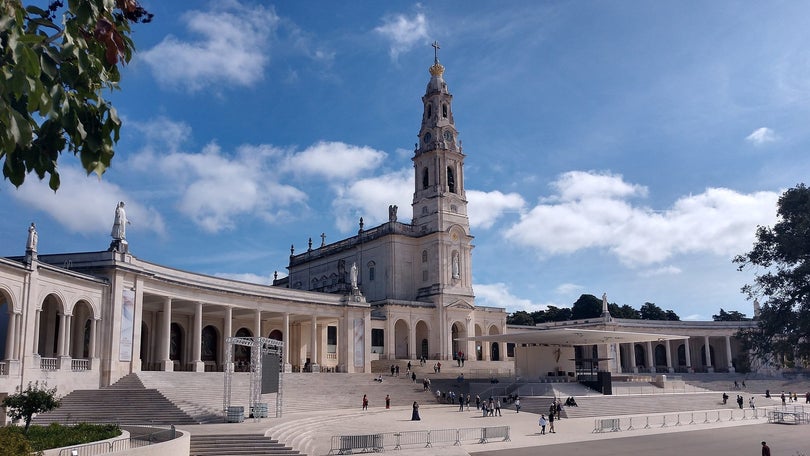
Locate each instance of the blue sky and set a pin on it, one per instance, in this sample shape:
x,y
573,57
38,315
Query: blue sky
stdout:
x,y
622,147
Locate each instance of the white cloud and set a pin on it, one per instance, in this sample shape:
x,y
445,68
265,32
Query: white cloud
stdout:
x,y
246,277
761,136
665,270
334,160
568,289
486,207
86,204
403,32
231,49
593,211
498,295
369,198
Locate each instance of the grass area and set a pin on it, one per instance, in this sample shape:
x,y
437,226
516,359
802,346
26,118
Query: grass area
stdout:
x,y
13,442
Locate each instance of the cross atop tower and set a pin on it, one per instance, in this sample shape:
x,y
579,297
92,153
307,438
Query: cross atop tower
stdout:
x,y
436,51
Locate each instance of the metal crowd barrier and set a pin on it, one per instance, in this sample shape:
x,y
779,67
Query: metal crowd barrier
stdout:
x,y
679,419
349,444
139,436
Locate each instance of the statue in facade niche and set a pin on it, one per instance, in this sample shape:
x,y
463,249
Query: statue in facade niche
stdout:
x,y
392,213
353,276
455,265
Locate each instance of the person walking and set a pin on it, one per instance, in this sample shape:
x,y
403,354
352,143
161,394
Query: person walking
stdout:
x,y
498,407
415,413
477,402
551,424
365,402
542,422
413,377
751,402
517,405
766,450
387,401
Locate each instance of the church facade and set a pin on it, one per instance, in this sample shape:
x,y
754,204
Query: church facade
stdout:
x,y
395,291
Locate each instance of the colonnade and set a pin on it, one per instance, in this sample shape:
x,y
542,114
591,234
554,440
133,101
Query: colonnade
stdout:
x,y
651,363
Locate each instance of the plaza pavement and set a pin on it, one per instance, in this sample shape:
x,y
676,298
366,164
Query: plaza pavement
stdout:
x,y
311,432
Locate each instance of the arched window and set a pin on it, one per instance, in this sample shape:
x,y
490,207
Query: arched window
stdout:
x,y
451,180
371,271
175,342
641,360
425,179
660,355
209,343
429,110
444,110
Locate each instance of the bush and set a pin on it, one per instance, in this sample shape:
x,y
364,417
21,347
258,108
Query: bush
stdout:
x,y
13,442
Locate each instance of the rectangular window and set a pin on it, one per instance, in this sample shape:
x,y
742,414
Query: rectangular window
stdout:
x,y
331,339
371,274
510,349
377,340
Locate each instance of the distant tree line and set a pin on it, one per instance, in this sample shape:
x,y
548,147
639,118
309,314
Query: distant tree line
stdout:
x,y
589,306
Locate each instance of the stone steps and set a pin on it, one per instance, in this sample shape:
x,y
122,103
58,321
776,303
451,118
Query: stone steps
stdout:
x,y
237,445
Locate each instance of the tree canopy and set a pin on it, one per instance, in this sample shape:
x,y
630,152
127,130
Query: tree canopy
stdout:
x,y
54,65
589,306
730,316
24,404
781,258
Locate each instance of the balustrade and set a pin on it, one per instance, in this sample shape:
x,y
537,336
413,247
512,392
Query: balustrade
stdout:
x,y
78,365
49,364
3,368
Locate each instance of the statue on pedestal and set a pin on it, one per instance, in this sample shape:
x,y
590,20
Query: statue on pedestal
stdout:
x,y
119,229
31,244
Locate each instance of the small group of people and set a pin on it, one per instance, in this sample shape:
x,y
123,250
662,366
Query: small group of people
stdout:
x,y
739,385
460,358
491,407
792,397
425,384
571,402
395,370
543,422
437,368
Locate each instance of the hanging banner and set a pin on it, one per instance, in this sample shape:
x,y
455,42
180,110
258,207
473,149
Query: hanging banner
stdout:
x,y
127,325
359,342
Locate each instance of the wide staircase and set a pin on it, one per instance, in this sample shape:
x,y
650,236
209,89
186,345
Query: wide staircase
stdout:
x,y
237,445
125,402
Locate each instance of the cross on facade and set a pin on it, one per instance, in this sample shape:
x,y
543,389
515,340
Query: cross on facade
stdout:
x,y
436,50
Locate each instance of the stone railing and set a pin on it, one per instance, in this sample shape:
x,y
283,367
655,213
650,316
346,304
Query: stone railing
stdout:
x,y
79,365
49,364
3,368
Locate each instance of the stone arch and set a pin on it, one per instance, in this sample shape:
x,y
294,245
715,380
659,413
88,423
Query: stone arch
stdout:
x,y
479,346
660,355
276,334
90,303
681,355
50,321
457,331
241,353
703,356
6,310
494,347
641,358
209,344
81,321
422,339
401,331
176,346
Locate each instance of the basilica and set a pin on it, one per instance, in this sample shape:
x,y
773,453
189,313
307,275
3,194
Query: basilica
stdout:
x,y
400,290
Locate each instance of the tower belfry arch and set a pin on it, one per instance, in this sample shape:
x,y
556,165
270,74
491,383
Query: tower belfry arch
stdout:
x,y
262,350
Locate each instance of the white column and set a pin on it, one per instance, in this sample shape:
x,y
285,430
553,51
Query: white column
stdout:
x,y
707,350
11,336
313,344
196,352
68,331
60,343
257,324
728,354
18,341
633,366
688,355
618,358
168,364
412,341
37,315
285,350
228,332
390,341
670,368
91,349
650,358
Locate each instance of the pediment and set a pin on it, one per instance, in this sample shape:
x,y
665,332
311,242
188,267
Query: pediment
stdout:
x,y
460,305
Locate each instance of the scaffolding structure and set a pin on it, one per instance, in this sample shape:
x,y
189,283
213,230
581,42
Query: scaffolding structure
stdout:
x,y
259,346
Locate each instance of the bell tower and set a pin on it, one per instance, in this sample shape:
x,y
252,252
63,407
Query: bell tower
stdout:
x,y
439,199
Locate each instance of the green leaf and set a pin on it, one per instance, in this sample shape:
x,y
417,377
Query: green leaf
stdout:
x,y
54,181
